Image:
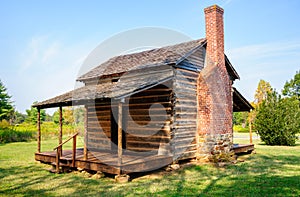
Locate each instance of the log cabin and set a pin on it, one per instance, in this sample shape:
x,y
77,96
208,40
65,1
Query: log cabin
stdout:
x,y
146,110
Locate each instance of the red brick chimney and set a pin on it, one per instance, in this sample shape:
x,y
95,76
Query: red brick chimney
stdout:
x,y
214,89
215,34
214,124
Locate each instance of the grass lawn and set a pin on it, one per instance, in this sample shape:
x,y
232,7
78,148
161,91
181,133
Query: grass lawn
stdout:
x,y
272,171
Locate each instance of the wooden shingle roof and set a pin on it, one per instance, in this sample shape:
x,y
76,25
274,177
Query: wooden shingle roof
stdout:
x,y
124,63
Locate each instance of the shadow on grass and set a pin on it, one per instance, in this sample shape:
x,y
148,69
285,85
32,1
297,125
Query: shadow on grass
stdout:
x,y
35,181
262,176
270,174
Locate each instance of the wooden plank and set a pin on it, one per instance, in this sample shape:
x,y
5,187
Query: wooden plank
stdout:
x,y
151,100
99,113
93,118
102,141
96,124
185,127
186,91
242,148
142,149
136,130
150,139
145,105
185,88
98,146
186,155
144,132
186,73
99,135
164,94
189,101
186,96
181,107
104,130
188,82
145,111
181,135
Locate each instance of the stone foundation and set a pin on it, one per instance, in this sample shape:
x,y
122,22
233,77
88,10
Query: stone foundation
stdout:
x,y
215,148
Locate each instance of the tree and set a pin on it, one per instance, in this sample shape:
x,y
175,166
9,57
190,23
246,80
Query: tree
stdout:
x,y
278,120
32,115
6,108
292,87
67,116
262,91
19,117
240,118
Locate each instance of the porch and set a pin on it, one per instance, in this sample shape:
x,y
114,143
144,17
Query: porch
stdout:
x,y
105,161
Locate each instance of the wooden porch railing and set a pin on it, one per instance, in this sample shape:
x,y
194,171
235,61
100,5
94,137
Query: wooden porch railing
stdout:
x,y
59,151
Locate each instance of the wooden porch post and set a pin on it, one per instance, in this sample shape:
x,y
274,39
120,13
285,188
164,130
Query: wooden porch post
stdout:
x,y
85,152
39,130
250,129
60,128
120,151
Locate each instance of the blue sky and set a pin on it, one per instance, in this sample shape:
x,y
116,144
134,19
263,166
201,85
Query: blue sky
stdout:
x,y
44,43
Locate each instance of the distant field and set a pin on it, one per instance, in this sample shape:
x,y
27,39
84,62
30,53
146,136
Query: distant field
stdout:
x,y
272,171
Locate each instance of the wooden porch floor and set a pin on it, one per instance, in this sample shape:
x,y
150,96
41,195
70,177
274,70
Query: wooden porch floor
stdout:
x,y
106,161
243,148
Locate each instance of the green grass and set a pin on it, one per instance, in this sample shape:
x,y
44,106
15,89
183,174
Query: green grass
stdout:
x,y
272,171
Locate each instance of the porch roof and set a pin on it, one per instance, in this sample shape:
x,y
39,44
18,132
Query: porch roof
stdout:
x,y
126,86
240,103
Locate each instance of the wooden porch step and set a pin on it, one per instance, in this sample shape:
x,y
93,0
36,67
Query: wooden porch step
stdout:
x,y
243,148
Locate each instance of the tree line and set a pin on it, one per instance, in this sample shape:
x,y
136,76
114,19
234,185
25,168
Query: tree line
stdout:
x,y
9,115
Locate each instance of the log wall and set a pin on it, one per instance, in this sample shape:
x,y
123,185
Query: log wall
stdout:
x,y
149,119
185,105
99,125
185,123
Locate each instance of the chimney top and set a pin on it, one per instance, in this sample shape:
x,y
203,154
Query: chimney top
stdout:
x,y
213,8
215,34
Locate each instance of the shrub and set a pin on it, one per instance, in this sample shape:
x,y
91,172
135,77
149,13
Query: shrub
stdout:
x,y
4,124
11,135
278,120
